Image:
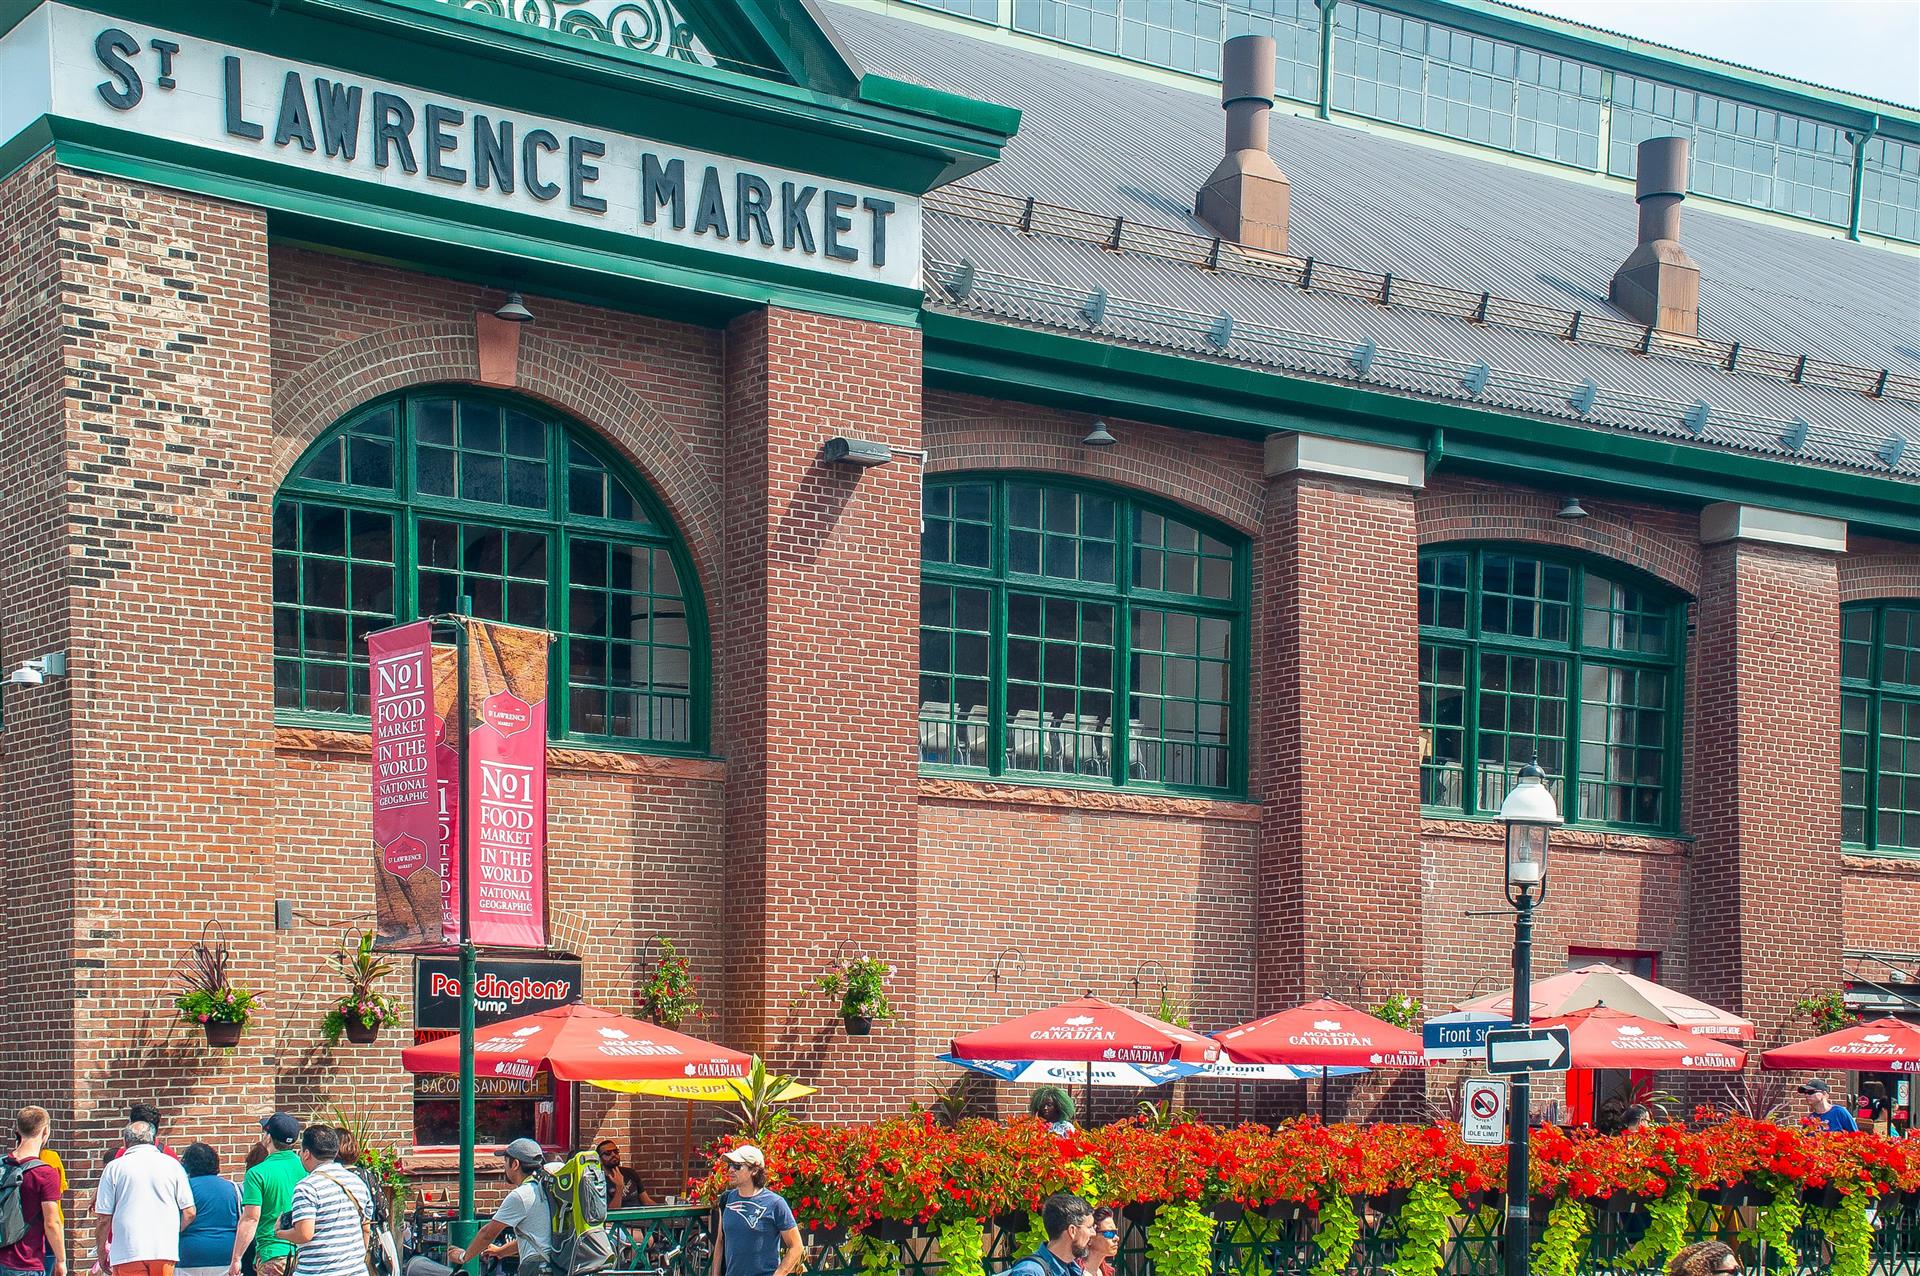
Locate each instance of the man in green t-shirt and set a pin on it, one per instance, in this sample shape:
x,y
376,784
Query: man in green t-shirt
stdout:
x,y
267,1193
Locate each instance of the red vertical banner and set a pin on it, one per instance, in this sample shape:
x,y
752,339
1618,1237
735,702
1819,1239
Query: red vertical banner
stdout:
x,y
507,784
408,850
446,749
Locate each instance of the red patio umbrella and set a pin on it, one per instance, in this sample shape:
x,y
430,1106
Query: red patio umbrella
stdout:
x,y
1324,1034
1604,985
580,1043
1603,1037
1087,1031
1884,1045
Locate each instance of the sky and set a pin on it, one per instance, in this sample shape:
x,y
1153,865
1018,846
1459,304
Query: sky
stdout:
x,y
1863,46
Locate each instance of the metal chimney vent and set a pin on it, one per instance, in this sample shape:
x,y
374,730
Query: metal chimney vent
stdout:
x,y
1659,285
1246,197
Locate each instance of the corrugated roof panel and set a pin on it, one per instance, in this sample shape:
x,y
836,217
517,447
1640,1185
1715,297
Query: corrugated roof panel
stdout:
x,y
1116,144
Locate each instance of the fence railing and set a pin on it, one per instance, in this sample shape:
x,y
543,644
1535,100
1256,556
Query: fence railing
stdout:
x,y
675,1241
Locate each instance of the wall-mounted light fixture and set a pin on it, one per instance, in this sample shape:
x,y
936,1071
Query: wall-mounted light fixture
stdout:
x,y
1099,436
515,311
861,452
32,673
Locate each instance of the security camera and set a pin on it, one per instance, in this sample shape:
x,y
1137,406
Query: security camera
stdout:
x,y
33,672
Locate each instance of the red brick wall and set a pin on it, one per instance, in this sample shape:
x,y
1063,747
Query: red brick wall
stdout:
x,y
823,582
1337,758
37,769
167,431
1023,905
1766,788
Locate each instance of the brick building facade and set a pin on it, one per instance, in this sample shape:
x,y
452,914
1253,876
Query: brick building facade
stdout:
x,y
180,345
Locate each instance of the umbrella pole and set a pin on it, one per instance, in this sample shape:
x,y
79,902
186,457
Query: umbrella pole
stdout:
x,y
1323,1094
1087,1118
1239,1092
686,1143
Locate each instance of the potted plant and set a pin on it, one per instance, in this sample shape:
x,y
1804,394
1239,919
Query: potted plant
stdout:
x,y
211,999
672,995
861,987
362,1010
1827,1011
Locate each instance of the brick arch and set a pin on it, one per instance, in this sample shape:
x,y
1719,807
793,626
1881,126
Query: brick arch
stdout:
x,y
1867,577
319,395
1197,471
1494,513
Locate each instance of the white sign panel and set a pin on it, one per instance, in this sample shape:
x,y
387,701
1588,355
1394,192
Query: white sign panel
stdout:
x,y
1483,1112
237,102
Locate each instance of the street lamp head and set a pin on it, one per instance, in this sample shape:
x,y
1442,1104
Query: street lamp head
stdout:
x,y
1528,812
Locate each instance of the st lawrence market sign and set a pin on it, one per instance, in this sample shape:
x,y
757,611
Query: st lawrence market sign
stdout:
x,y
179,88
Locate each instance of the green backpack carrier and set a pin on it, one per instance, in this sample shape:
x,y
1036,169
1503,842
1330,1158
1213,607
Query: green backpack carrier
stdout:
x,y
576,1192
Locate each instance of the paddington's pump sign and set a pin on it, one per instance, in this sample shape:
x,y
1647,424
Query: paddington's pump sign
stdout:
x,y
179,88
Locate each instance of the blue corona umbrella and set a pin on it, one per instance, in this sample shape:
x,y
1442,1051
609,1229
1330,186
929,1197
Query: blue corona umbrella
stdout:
x,y
1045,1072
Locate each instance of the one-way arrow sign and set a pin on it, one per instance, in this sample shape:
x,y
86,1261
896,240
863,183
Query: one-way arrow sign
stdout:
x,y
1514,1050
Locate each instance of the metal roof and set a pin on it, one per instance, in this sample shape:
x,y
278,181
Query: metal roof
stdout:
x,y
1116,145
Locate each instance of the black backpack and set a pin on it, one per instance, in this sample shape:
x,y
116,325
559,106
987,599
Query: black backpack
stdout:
x,y
13,1219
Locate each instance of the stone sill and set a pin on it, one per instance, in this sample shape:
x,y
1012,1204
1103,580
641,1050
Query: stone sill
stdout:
x,y
559,758
1882,865
1576,839
1102,801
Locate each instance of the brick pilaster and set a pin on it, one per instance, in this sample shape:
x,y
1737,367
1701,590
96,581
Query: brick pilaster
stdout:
x,y
1765,897
1337,761
161,408
823,587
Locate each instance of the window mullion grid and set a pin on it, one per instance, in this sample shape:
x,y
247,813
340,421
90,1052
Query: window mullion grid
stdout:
x,y
559,599
997,556
1872,691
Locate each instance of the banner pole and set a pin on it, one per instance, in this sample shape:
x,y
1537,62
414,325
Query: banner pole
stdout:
x,y
466,1225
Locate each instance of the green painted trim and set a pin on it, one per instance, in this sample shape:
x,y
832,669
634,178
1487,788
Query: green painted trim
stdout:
x,y
656,529
1576,655
18,151
991,117
997,580
329,209
1875,692
429,45
1002,360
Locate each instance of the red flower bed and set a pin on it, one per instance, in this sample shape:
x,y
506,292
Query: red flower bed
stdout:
x,y
912,1170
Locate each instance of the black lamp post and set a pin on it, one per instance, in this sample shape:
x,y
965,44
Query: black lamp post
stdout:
x,y
1529,813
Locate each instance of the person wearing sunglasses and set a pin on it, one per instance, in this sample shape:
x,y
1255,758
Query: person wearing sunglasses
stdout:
x,y
1104,1252
1708,1258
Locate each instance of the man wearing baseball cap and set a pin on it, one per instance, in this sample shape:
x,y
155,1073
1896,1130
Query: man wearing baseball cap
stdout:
x,y
758,1235
524,1210
1820,1107
267,1192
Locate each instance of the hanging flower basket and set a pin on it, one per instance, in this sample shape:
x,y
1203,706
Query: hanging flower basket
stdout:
x,y
224,1035
858,1025
1284,1211
1822,1198
889,1230
1227,1211
830,1235
1013,1221
360,1034
1140,1213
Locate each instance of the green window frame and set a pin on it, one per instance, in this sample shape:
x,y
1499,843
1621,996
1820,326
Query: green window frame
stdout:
x,y
1526,653
1077,634
417,498
1880,727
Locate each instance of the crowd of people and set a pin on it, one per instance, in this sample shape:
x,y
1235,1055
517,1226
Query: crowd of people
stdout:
x,y
165,1212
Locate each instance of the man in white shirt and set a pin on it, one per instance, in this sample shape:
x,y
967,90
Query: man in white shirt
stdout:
x,y
331,1211
142,1204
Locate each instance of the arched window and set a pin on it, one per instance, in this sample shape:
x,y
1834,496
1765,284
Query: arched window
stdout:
x,y
1526,654
418,499
1880,726
1077,634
